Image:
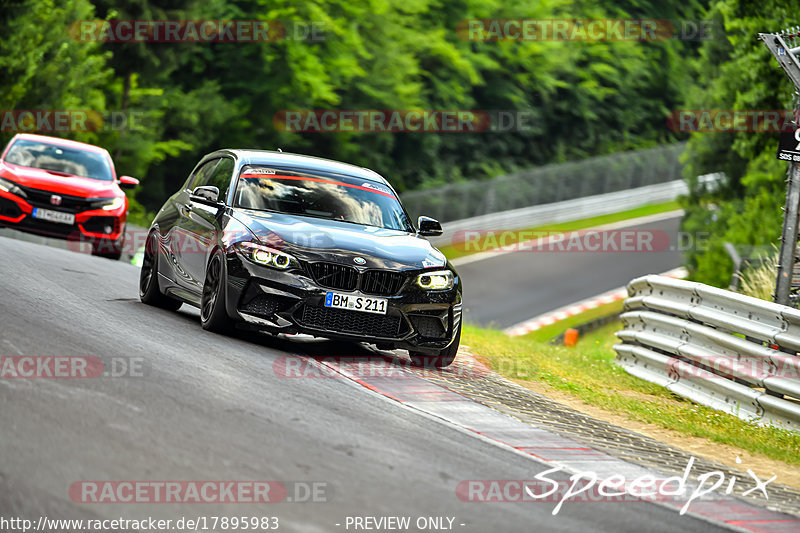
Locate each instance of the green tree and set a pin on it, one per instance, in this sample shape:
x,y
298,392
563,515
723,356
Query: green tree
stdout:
x,y
586,98
43,68
739,73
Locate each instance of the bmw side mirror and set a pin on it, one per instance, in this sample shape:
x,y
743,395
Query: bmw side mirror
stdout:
x,y
206,195
429,227
127,182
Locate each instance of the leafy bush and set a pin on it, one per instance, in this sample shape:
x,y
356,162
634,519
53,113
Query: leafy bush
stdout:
x,y
736,72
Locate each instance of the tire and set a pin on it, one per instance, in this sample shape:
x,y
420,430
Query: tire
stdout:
x,y
108,250
149,292
213,316
443,359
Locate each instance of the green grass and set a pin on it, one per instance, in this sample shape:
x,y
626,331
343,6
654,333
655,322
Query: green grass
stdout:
x,y
452,251
587,372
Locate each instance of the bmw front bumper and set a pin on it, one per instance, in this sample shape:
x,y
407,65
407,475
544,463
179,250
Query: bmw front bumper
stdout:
x,y
293,302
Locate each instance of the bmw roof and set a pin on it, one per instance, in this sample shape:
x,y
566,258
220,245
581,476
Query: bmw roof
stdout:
x,y
299,161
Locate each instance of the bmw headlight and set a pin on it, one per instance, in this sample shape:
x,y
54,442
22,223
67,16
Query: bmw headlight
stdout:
x,y
437,280
110,204
264,255
13,188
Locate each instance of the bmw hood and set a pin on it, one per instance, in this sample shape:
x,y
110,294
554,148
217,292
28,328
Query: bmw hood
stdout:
x,y
313,239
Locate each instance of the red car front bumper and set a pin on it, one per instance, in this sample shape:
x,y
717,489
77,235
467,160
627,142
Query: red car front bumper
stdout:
x,y
90,225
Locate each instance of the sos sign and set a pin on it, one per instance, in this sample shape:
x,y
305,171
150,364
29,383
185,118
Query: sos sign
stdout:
x,y
789,145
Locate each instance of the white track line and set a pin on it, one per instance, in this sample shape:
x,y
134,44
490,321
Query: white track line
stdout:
x,y
532,324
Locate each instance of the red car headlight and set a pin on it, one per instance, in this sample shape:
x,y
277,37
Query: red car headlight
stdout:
x,y
13,188
110,204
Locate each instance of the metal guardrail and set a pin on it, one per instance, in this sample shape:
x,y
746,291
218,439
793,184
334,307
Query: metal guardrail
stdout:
x,y
548,184
718,348
539,215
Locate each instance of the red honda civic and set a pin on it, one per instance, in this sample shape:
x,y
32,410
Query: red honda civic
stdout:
x,y
67,189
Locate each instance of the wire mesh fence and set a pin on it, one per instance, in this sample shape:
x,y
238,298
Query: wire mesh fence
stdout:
x,y
548,184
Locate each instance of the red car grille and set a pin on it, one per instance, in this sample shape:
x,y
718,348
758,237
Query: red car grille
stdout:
x,y
100,224
72,204
9,208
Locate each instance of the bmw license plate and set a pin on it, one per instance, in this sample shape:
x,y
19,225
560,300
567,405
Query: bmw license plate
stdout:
x,y
54,216
356,303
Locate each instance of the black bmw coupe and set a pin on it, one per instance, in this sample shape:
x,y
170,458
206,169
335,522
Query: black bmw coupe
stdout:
x,y
287,243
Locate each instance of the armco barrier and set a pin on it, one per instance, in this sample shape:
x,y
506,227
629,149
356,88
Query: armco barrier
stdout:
x,y
548,184
718,348
586,207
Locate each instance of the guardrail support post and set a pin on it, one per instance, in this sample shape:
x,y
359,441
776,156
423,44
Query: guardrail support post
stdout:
x,y
789,238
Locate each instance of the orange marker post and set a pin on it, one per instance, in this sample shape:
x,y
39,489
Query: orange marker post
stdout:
x,y
571,337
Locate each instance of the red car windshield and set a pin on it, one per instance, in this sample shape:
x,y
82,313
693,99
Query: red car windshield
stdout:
x,y
342,198
59,160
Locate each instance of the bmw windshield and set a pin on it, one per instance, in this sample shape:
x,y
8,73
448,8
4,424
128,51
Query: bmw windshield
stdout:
x,y
343,198
59,160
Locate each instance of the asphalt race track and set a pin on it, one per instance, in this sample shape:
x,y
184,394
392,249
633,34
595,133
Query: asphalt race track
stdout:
x,y
209,407
507,289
